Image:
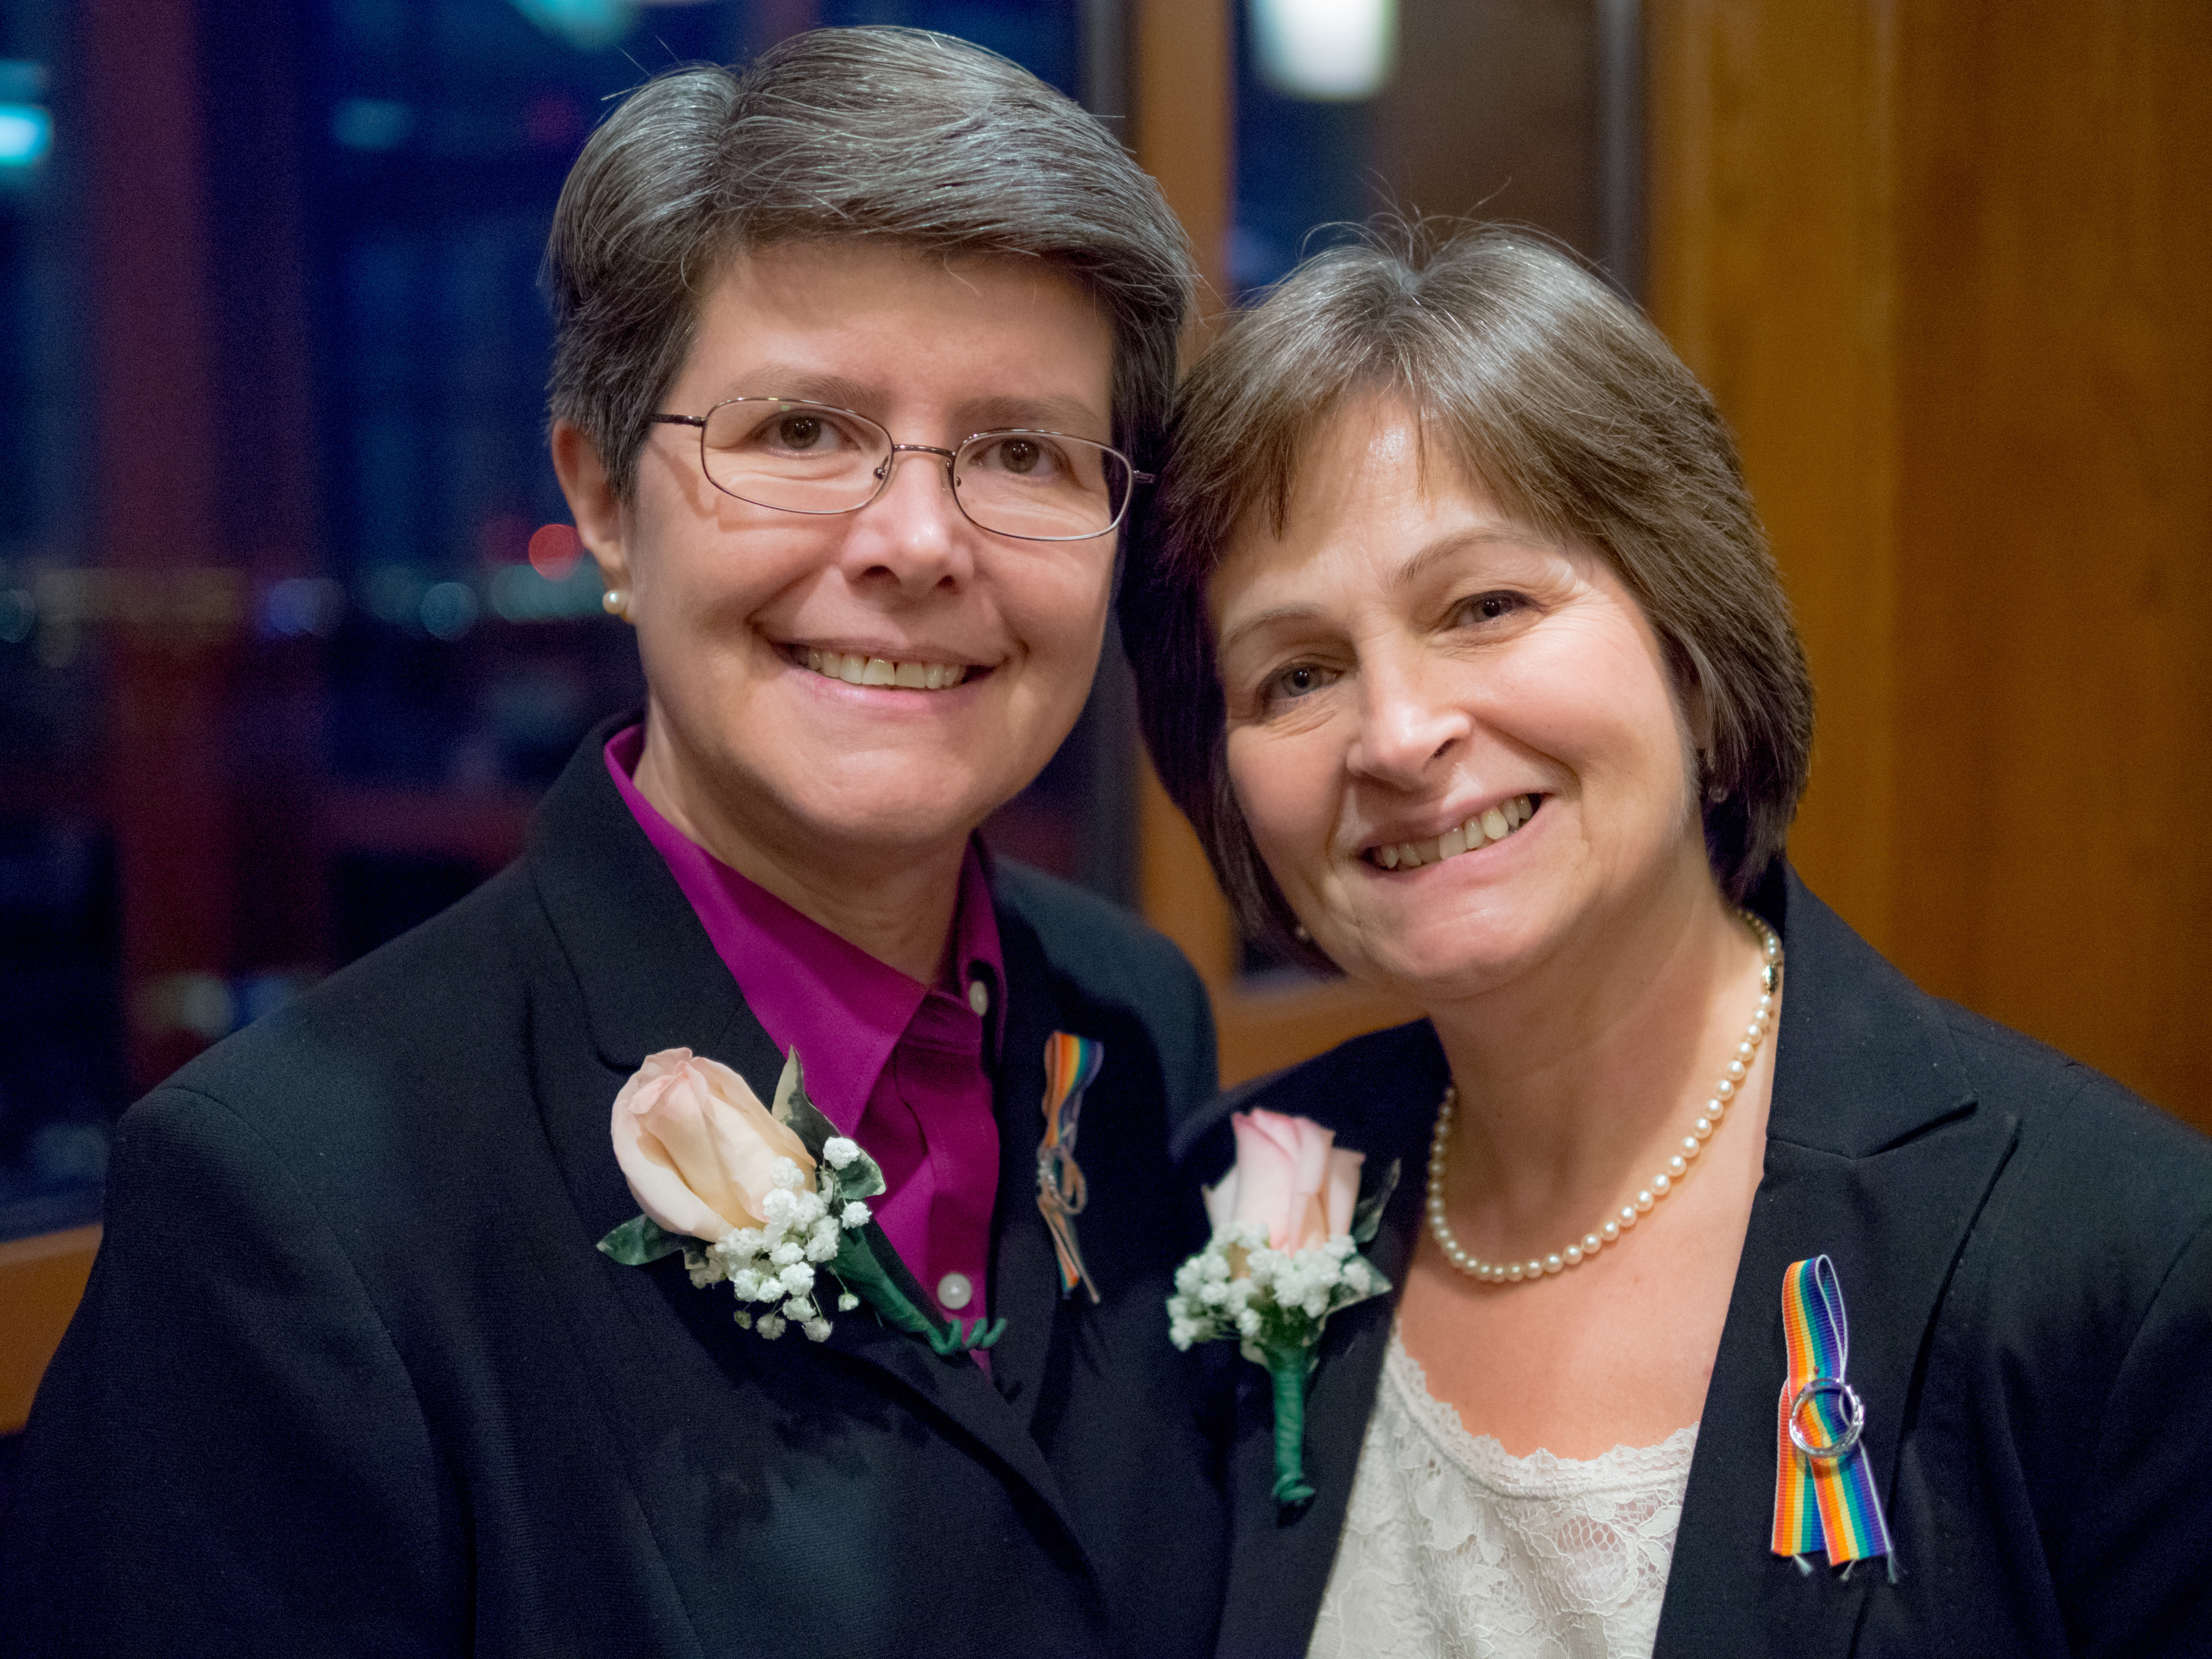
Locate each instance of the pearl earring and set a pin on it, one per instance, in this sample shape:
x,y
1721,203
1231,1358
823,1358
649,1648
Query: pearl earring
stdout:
x,y
615,601
1304,937
1717,795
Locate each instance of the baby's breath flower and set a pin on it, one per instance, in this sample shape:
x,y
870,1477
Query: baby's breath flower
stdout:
x,y
786,1253
840,1152
816,1330
798,1278
769,1326
847,1301
855,1215
784,1174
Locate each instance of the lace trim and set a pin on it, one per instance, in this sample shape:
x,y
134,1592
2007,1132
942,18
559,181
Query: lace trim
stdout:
x,y
1453,1546
1485,1459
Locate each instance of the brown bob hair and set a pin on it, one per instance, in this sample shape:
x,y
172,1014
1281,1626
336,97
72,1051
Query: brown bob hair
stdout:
x,y
1570,410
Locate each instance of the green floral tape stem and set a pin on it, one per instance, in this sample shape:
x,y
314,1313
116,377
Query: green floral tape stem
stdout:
x,y
1288,1369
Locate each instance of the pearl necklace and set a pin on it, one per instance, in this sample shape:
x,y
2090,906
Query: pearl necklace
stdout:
x,y
1514,1273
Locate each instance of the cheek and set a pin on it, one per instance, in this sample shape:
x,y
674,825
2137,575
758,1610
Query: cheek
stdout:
x,y
1282,786
1057,614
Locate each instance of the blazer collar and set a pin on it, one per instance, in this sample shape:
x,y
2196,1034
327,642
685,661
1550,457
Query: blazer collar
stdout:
x,y
650,980
1879,1157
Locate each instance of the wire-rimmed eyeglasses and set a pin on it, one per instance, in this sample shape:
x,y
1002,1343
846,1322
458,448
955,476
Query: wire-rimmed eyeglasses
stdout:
x,y
800,457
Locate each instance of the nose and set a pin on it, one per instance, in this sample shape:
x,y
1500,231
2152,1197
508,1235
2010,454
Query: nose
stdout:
x,y
912,534
1409,724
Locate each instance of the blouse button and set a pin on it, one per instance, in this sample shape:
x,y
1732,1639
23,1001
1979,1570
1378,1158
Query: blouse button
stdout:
x,y
979,997
953,1291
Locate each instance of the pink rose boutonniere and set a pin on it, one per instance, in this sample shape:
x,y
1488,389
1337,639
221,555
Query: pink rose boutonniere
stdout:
x,y
766,1200
1288,1222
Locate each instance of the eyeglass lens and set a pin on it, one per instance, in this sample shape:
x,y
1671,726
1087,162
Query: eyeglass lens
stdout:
x,y
808,457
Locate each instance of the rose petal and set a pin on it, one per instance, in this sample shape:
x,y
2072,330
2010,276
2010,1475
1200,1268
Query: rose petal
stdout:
x,y
654,1180
747,1138
1312,1143
1221,1202
1312,1226
1343,1188
1267,1184
697,1148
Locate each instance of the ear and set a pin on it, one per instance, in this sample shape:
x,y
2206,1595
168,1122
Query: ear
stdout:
x,y
1696,709
600,520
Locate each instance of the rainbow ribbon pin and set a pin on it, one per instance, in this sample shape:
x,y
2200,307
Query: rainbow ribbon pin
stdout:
x,y
1824,1491
1071,1062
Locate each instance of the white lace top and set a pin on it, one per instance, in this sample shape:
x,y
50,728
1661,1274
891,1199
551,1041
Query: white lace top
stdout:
x,y
1452,1548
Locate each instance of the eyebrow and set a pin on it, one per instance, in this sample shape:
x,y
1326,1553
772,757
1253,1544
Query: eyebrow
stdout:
x,y
1072,415
808,386
1443,547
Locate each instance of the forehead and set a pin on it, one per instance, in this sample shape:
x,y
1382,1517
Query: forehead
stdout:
x,y
883,315
1371,472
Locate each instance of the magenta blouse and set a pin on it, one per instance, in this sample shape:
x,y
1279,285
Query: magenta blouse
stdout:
x,y
897,1064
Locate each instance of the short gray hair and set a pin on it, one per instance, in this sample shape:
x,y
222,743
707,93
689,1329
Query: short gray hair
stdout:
x,y
896,134
1571,410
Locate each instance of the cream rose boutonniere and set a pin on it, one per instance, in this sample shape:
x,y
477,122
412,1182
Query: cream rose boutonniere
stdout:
x,y
763,1201
1288,1222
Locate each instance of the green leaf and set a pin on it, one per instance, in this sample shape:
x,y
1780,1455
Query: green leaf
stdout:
x,y
1367,1214
642,1239
793,1109
862,1178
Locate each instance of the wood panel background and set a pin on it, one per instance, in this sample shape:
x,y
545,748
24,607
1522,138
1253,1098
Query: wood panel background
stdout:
x,y
1947,266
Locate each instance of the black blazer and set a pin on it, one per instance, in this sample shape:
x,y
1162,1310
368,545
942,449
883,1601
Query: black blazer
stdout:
x,y
2025,1254
351,1377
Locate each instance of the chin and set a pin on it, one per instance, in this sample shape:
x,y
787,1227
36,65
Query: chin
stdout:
x,y
1439,957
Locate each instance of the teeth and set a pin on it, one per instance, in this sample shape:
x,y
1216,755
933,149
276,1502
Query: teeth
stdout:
x,y
1495,824
884,670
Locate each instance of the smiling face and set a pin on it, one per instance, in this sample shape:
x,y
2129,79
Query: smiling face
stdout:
x,y
861,689
1455,741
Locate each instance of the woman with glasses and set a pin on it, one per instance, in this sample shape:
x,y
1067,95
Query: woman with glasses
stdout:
x,y
854,348
1744,1299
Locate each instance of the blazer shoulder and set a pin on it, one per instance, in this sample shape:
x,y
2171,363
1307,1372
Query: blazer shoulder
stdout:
x,y
2113,1153
435,1013
1104,953
1109,950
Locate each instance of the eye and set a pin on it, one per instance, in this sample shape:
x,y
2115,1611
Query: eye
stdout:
x,y
1300,679
1491,607
1026,456
799,432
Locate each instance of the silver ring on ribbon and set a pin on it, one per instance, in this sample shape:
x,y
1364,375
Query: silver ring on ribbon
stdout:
x,y
1844,1442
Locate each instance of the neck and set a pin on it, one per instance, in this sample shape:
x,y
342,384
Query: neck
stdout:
x,y
898,908
1573,1077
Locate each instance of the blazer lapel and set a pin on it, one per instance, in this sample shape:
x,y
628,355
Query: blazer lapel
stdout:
x,y
1878,1158
1025,1271
652,980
